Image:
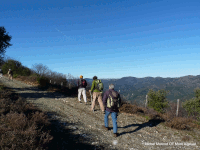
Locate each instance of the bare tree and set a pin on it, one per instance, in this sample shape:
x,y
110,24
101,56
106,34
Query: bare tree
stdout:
x,y
72,81
40,69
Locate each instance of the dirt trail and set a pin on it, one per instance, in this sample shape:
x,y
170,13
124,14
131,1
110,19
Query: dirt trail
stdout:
x,y
135,133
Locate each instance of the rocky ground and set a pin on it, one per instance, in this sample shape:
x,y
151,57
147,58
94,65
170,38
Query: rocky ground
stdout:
x,y
135,132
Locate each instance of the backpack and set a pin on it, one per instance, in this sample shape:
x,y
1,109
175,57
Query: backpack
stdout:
x,y
99,85
82,82
113,101
10,72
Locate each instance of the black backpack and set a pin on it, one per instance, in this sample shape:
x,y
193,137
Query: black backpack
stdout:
x,y
82,82
10,72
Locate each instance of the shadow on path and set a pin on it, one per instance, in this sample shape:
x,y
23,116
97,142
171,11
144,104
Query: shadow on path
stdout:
x,y
64,138
150,123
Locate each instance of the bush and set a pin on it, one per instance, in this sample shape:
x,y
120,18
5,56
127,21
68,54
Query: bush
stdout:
x,y
25,71
22,127
16,67
15,75
192,106
43,81
157,100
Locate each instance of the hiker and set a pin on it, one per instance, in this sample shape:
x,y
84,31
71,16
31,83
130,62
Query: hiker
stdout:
x,y
81,89
10,74
111,101
96,90
1,73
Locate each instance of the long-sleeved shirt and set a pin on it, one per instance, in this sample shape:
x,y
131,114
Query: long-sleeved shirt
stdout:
x,y
80,85
93,87
105,98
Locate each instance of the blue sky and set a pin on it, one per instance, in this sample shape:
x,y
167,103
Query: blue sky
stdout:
x,y
107,38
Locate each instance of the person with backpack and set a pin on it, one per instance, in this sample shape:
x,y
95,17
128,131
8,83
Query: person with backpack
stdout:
x,y
81,89
112,102
10,74
96,90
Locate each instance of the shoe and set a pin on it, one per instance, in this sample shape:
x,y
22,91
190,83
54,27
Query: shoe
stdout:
x,y
105,128
85,103
115,134
79,101
103,112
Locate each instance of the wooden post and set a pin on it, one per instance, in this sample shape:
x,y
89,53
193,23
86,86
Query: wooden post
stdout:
x,y
177,107
146,101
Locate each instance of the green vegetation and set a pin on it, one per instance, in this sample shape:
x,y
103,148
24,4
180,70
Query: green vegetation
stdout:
x,y
43,81
4,42
16,67
192,106
157,100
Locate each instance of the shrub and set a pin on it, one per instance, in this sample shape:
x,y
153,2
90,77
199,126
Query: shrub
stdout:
x,y
16,67
179,123
15,75
25,71
43,81
157,100
192,106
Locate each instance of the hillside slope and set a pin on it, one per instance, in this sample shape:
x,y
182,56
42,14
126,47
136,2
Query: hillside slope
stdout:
x,y
135,132
135,89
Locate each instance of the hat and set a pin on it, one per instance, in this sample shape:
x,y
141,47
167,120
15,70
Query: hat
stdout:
x,y
81,76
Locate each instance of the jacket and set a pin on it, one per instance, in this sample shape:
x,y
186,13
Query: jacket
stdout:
x,y
80,85
105,97
93,87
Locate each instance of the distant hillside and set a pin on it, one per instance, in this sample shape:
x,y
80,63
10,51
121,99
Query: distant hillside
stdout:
x,y
136,88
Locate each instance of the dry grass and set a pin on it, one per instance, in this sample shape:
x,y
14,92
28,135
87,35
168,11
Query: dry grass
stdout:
x,y
32,80
179,123
22,126
169,117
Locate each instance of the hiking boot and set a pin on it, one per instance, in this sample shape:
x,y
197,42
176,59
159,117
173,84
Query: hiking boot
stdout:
x,y
105,128
103,112
115,134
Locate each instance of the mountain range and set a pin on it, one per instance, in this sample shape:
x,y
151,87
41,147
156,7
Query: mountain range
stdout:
x,y
135,89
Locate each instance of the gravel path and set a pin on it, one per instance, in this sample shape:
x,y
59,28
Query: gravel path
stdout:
x,y
135,132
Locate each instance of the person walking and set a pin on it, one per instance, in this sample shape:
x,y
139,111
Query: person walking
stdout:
x,y
81,83
112,102
10,74
1,73
96,90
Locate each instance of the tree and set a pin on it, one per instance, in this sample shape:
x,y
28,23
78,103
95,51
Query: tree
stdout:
x,y
4,42
16,67
157,100
192,106
40,69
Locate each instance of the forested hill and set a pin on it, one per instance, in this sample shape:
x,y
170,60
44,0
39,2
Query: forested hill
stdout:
x,y
136,88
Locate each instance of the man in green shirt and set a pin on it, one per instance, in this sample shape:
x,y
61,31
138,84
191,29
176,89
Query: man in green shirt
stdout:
x,y
97,94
